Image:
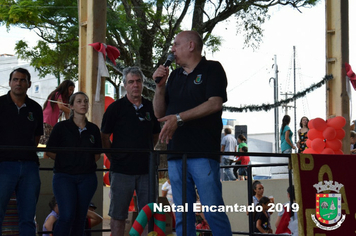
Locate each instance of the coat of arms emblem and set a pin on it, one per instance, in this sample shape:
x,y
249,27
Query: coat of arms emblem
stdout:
x,y
328,206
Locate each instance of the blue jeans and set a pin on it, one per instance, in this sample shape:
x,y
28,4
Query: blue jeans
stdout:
x,y
203,173
226,173
21,177
73,194
287,151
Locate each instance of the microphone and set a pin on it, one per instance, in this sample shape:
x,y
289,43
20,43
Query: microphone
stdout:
x,y
168,62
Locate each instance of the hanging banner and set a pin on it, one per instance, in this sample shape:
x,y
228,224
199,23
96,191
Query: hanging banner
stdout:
x,y
324,190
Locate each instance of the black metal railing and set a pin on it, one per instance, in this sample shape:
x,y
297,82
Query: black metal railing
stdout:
x,y
153,174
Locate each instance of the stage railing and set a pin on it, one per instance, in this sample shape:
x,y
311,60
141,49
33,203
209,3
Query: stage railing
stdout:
x,y
153,173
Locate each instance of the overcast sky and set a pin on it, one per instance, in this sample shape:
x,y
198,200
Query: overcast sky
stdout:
x,y
249,71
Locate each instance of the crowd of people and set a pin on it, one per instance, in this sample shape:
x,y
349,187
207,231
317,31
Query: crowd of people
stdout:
x,y
187,101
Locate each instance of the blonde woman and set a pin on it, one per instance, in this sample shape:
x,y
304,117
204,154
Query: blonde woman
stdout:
x,y
74,179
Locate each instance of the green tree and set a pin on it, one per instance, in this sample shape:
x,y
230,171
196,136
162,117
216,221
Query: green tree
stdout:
x,y
143,31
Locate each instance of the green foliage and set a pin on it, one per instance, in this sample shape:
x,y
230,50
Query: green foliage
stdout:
x,y
21,12
143,30
249,22
213,43
58,61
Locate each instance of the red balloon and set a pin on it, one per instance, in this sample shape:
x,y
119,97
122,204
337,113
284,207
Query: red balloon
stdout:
x,y
337,122
106,179
308,142
309,151
329,133
327,151
107,163
335,144
310,124
108,101
338,151
313,134
340,134
318,145
319,124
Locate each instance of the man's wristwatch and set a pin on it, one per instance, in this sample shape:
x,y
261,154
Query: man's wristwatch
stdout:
x,y
180,122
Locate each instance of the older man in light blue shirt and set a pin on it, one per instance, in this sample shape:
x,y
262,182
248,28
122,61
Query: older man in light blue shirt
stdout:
x,y
228,144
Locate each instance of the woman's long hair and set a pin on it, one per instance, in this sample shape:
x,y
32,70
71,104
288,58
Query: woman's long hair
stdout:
x,y
285,122
254,186
242,138
301,124
62,89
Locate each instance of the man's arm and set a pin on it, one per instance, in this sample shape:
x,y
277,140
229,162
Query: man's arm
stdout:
x,y
159,103
214,104
106,143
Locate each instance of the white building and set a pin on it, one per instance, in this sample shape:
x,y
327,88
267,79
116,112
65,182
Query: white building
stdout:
x,y
40,88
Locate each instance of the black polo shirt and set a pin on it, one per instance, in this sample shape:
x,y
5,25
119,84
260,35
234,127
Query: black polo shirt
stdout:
x,y
132,130
184,92
66,134
19,127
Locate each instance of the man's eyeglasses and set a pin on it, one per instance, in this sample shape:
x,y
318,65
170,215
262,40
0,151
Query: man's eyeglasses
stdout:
x,y
140,115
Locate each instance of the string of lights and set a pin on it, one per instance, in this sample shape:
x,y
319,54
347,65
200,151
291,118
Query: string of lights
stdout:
x,y
267,107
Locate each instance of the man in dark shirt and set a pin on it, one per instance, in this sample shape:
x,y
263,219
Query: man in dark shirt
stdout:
x,y
190,104
132,122
21,124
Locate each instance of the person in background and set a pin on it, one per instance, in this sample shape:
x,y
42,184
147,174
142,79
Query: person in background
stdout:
x,y
286,135
303,134
132,122
257,194
55,105
287,222
74,179
167,191
262,219
228,144
200,219
241,139
243,160
352,142
52,216
258,191
190,105
21,124
93,219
